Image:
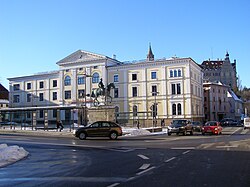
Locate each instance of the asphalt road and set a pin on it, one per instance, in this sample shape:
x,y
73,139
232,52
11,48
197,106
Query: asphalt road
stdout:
x,y
158,160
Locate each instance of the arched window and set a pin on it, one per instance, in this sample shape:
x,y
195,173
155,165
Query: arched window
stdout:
x,y
175,73
174,109
179,73
179,108
67,81
95,78
171,73
135,110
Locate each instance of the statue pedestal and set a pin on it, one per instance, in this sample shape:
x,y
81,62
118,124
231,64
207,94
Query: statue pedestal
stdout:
x,y
101,113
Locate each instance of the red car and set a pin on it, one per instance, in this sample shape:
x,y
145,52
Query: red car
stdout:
x,y
212,127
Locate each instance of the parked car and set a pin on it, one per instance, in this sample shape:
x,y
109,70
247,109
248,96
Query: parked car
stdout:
x,y
212,127
180,126
100,128
230,122
197,126
246,123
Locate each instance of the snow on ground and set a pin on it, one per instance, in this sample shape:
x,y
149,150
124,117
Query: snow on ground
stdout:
x,y
11,154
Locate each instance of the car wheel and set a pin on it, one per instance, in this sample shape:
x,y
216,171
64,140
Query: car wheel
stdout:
x,y
203,133
113,135
191,132
82,136
169,133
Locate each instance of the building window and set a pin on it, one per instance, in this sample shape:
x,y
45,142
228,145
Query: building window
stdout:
x,y
116,93
54,96
67,81
178,88
154,90
41,113
173,89
54,113
153,75
54,83
16,87
95,78
81,94
179,73
175,73
67,94
134,77
179,108
81,80
28,86
28,114
41,84
174,109
134,91
28,98
40,96
135,110
116,78
171,73
16,98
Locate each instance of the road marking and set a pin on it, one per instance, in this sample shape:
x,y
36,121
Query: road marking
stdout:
x,y
235,131
245,131
143,157
113,185
144,166
170,159
145,171
183,148
186,152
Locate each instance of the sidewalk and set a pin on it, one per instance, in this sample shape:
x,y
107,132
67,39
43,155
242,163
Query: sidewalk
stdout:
x,y
28,131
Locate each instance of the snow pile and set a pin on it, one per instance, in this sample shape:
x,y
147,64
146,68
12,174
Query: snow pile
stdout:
x,y
134,132
10,154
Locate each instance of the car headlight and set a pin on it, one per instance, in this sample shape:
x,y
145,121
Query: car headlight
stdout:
x,y
216,129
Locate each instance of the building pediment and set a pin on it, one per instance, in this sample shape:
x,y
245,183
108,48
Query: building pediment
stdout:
x,y
80,56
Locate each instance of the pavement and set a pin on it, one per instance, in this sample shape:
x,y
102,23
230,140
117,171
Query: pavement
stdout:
x,y
67,132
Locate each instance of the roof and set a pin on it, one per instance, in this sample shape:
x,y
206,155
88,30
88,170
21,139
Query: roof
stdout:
x,y
80,56
4,93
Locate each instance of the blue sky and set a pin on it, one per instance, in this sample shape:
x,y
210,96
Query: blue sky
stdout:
x,y
35,34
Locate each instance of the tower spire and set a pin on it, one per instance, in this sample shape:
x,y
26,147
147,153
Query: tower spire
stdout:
x,y
150,56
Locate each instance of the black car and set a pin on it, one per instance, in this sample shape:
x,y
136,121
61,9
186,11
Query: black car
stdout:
x,y
230,122
100,128
180,126
197,126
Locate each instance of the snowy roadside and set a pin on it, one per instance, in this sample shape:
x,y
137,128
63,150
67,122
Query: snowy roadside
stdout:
x,y
11,154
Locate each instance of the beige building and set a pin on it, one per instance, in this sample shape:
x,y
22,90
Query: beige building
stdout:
x,y
221,102
172,88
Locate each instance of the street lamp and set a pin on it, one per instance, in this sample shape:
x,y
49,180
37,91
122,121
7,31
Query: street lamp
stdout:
x,y
154,93
85,97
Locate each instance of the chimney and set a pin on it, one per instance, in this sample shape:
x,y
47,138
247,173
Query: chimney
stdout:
x,y
114,56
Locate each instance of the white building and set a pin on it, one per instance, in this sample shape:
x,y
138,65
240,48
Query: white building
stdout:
x,y
174,84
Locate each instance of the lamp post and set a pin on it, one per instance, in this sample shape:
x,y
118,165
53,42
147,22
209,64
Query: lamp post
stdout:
x,y
154,93
85,97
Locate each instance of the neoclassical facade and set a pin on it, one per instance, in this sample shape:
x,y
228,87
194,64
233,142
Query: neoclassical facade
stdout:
x,y
170,87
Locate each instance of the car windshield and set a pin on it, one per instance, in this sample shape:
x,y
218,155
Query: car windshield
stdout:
x,y
178,123
211,123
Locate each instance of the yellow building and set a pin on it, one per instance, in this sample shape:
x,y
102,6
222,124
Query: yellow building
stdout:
x,y
144,90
